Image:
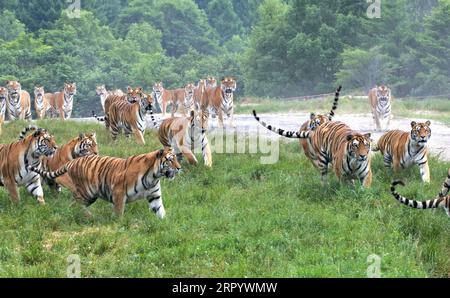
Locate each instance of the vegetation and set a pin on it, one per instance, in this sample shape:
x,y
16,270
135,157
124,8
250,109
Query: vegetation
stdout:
x,y
239,218
275,48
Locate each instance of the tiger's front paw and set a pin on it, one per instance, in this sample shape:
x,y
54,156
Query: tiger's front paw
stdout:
x,y
41,201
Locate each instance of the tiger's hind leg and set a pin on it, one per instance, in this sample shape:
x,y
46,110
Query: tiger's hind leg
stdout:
x,y
11,187
387,159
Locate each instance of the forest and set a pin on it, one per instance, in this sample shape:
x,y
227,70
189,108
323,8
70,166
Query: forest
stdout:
x,y
274,48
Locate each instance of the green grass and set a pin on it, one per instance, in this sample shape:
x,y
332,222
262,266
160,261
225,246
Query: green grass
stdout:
x,y
436,109
239,219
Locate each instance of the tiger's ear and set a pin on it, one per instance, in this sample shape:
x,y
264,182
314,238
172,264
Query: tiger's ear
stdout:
x,y
367,135
413,123
428,123
349,138
81,136
312,116
129,89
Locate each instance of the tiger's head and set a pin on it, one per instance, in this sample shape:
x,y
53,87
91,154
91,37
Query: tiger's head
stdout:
x,y
134,94
101,90
85,144
158,88
420,132
199,120
168,164
14,89
3,96
147,101
211,82
317,120
70,89
228,85
189,90
383,94
359,146
39,92
42,142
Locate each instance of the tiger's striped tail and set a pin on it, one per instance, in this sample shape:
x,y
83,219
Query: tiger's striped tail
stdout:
x,y
99,119
281,132
445,186
429,204
335,103
27,129
152,116
50,175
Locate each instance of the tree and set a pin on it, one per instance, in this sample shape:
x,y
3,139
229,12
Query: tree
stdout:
x,y
223,18
10,27
37,14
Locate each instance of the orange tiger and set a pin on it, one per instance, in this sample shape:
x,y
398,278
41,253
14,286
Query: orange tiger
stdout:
x,y
130,117
83,145
116,180
219,100
186,134
402,149
104,93
3,103
199,93
41,104
442,201
336,143
211,82
380,103
62,102
18,104
314,122
16,157
164,97
184,101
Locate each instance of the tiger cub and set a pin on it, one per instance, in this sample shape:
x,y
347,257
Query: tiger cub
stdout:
x,y
402,149
443,201
116,180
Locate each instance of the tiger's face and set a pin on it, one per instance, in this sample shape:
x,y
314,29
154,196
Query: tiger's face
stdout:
x,y
158,88
14,89
317,120
189,90
383,95
3,94
199,120
45,143
70,89
39,92
359,146
101,90
169,165
211,82
135,94
147,101
86,145
228,85
420,132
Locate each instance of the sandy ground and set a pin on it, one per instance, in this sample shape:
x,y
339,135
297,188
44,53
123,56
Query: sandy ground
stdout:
x,y
439,143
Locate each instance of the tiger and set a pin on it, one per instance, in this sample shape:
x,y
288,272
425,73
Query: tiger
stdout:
x,y
130,117
219,101
402,149
83,145
334,142
164,97
133,95
62,102
186,101
18,104
17,156
41,104
116,180
103,93
3,103
211,82
380,104
186,134
199,93
314,122
442,201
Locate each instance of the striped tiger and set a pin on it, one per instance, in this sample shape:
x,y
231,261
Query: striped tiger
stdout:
x,y
185,135
18,104
220,100
334,142
314,122
199,93
41,104
3,103
116,180
443,201
185,103
380,103
402,149
164,97
16,157
103,93
130,117
83,145
62,102
211,82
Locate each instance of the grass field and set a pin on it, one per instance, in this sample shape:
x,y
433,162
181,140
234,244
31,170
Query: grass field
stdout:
x,y
239,219
435,109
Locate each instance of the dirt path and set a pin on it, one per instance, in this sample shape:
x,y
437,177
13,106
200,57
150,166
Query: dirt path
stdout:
x,y
439,142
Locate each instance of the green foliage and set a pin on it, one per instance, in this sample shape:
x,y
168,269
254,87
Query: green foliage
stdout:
x,y
10,27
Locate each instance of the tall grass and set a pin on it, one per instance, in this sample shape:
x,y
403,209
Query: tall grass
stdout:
x,y
238,219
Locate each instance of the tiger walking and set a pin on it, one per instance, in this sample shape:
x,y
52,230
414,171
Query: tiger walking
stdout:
x,y
380,103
